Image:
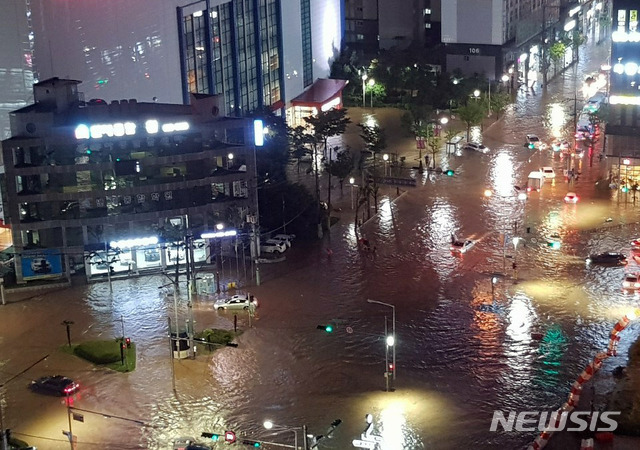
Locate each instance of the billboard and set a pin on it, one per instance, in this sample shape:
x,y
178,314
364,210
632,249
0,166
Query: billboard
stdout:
x,y
38,264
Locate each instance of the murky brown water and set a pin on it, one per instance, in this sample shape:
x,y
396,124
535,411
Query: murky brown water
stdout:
x,y
460,354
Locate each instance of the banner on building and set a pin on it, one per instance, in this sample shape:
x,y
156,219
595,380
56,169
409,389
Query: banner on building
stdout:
x,y
38,264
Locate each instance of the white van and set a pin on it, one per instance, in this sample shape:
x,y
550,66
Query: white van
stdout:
x,y
535,181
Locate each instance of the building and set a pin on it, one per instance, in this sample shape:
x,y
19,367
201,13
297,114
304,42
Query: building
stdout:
x,y
496,37
113,183
253,53
622,140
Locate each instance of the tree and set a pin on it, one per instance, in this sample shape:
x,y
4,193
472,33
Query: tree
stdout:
x,y
471,114
499,102
299,140
327,124
273,157
557,52
449,135
435,144
342,166
375,141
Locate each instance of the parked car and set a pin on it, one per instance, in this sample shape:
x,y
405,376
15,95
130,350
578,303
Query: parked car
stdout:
x,y
55,385
271,246
571,197
151,255
238,301
280,238
608,258
474,146
289,237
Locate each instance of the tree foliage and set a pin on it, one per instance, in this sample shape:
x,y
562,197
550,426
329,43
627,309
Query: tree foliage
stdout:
x,y
471,114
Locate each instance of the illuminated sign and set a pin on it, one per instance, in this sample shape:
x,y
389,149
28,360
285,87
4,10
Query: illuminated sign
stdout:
x,y
570,25
622,36
128,243
573,11
331,104
629,68
119,129
258,132
624,100
218,234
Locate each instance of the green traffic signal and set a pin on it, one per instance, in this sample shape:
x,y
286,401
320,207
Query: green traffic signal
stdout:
x,y
450,172
327,328
554,245
213,436
625,189
256,444
531,146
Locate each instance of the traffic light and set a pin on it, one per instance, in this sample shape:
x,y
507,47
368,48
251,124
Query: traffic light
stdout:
x,y
327,328
531,146
625,189
553,244
128,342
256,444
390,367
450,172
212,436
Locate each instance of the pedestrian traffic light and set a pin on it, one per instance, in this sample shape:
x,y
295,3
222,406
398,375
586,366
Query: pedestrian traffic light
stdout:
x,y
256,444
450,172
212,436
327,328
128,342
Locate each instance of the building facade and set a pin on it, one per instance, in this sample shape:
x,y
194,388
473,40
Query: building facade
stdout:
x,y
85,181
253,53
622,141
492,38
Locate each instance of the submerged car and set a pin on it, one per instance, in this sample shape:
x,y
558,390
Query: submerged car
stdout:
x,y
273,246
631,282
238,301
458,246
55,385
607,258
571,197
474,146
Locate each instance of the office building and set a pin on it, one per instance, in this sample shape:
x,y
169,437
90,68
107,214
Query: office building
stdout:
x,y
253,53
106,184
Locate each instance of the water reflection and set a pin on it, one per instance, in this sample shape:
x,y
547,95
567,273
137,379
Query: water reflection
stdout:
x,y
556,119
502,174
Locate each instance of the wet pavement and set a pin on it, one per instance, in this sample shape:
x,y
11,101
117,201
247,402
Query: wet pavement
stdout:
x,y
462,351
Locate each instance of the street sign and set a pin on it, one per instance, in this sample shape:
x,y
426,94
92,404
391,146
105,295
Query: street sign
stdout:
x,y
349,330
230,437
364,444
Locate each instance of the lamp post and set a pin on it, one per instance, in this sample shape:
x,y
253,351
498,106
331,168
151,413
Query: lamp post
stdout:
x,y
229,160
364,90
393,330
371,83
351,182
385,157
476,94
494,280
269,425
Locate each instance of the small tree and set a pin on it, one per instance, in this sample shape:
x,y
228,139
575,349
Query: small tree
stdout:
x,y
449,135
435,144
375,141
342,166
471,114
499,102
557,52
299,141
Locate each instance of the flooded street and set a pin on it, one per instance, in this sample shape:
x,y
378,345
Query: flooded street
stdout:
x,y
462,352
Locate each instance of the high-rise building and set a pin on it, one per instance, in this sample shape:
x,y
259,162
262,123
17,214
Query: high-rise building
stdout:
x,y
86,178
16,59
254,53
492,37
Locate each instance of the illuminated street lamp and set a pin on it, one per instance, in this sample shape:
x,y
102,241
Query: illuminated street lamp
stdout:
x,y
494,280
476,94
364,89
351,182
393,335
488,192
385,157
229,160
371,83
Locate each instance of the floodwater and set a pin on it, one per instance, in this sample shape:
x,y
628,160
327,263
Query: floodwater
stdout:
x,y
462,351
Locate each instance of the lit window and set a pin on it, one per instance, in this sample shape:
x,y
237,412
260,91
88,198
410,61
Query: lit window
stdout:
x,y
427,25
427,11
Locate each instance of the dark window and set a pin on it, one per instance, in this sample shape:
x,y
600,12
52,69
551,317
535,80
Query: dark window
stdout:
x,y
307,57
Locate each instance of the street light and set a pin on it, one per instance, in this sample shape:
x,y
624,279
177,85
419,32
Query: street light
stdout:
x,y
229,160
351,182
269,425
393,331
385,157
476,94
494,280
371,83
364,89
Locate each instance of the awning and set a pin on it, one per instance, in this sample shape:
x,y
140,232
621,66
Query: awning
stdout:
x,y
321,92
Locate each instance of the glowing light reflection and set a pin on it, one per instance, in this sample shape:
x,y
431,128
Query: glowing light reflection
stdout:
x,y
393,427
502,174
